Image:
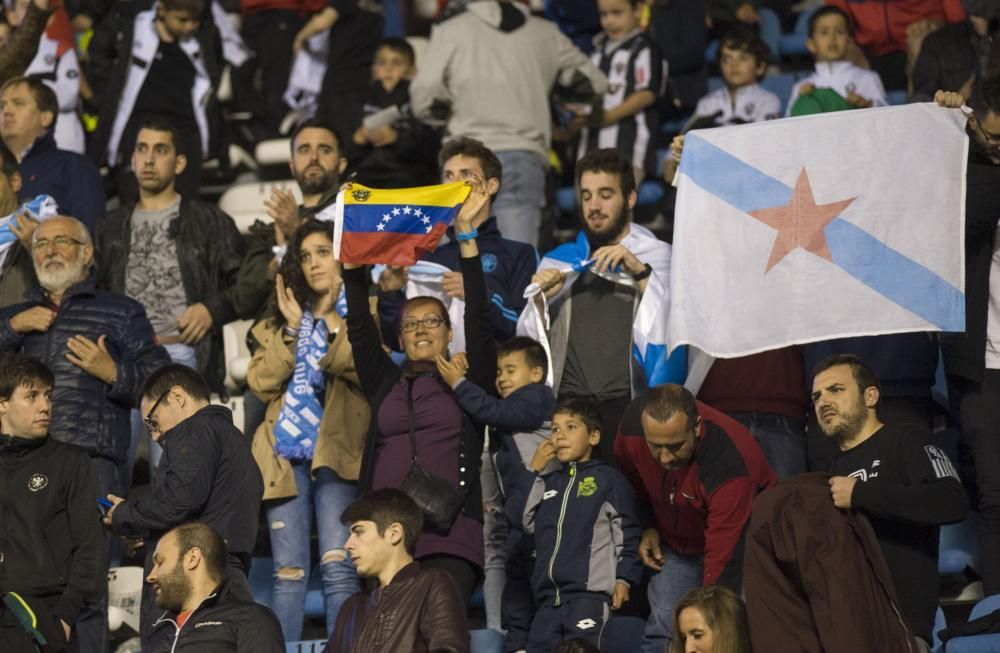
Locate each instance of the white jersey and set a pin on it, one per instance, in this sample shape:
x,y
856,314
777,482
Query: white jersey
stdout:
x,y
748,104
61,72
844,78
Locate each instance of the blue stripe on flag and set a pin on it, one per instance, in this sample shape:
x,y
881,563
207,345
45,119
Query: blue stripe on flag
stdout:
x,y
897,277
395,219
723,175
903,280
660,368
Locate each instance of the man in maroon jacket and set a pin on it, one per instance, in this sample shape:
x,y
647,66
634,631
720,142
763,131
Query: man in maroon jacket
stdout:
x,y
695,473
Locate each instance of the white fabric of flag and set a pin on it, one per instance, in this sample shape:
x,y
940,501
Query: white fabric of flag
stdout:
x,y
818,227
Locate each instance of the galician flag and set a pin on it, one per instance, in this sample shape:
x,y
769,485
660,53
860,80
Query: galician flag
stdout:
x,y
393,227
819,227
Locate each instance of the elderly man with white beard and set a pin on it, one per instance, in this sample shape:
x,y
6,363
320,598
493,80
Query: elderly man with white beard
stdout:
x,y
100,348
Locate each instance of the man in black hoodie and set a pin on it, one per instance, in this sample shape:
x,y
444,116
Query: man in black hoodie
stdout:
x,y
202,612
52,548
206,474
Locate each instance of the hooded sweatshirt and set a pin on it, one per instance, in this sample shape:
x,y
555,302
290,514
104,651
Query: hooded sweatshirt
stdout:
x,y
506,107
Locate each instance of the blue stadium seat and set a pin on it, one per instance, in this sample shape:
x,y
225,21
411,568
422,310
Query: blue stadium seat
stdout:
x,y
315,601
959,547
650,192
486,641
977,643
939,623
794,44
897,97
311,646
262,580
781,85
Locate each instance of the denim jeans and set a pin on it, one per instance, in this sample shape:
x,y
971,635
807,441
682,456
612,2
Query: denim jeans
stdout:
x,y
495,531
290,524
678,575
782,439
518,205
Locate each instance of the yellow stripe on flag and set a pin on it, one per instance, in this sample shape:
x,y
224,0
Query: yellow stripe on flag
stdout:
x,y
446,195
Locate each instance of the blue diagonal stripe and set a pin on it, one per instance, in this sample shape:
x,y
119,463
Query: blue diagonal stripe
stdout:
x,y
890,273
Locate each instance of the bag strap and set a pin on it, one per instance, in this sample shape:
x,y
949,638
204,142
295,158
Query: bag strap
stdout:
x,y
409,412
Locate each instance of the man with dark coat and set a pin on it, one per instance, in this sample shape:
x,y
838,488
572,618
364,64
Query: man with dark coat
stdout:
x,y
53,548
207,474
201,611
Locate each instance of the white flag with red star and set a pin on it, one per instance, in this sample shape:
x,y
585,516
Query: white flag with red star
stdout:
x,y
825,226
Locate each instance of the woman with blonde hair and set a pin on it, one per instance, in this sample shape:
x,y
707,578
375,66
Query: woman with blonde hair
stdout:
x,y
711,619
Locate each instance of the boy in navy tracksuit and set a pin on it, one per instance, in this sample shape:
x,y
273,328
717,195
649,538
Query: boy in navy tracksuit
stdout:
x,y
519,423
586,533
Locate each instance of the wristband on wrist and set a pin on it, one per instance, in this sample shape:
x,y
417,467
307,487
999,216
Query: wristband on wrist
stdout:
x,y
646,271
466,236
289,331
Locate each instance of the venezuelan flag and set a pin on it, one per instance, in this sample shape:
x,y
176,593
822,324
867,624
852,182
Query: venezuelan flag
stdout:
x,y
393,227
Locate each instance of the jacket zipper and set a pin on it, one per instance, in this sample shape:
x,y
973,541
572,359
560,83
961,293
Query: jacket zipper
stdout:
x,y
177,629
559,525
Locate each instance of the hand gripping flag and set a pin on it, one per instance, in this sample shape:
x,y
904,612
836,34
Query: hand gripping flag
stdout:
x,y
426,279
394,227
41,208
820,227
648,326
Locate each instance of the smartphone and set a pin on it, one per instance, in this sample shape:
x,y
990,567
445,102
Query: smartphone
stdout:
x,y
104,506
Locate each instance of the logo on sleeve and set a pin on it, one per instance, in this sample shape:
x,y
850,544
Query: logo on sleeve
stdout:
x,y
37,482
940,462
587,487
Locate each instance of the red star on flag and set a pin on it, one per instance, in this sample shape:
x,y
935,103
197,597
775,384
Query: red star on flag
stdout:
x,y
800,223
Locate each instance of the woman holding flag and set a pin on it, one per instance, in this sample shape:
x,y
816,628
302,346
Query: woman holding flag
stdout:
x,y
310,444
417,427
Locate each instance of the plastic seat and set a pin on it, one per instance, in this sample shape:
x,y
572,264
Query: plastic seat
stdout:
x,y
939,624
794,44
486,641
977,643
234,346
649,192
781,85
245,202
985,606
959,546
897,97
262,580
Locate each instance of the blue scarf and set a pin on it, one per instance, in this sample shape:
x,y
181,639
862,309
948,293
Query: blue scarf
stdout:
x,y
302,408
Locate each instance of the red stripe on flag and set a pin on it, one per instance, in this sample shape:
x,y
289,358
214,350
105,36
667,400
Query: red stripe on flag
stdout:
x,y
388,248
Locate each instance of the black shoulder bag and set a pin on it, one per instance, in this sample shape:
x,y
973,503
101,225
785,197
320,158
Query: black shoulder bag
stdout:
x,y
439,500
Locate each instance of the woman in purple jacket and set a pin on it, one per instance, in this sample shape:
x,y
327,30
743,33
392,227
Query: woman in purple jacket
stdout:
x,y
449,443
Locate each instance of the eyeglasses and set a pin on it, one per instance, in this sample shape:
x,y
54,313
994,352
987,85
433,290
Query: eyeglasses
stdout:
x,y
148,420
61,243
429,322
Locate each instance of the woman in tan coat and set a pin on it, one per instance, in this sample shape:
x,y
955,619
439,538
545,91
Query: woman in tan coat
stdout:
x,y
310,444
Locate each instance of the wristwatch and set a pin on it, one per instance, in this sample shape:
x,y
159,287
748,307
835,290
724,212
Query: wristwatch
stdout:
x,y
646,271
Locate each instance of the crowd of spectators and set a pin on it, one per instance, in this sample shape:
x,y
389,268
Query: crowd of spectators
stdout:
x,y
477,424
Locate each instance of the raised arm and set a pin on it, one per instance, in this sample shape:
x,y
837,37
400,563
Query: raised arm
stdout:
x,y
370,360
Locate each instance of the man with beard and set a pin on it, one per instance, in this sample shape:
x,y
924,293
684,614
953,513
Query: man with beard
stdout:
x,y
207,474
895,475
177,256
316,165
99,346
592,344
188,578
47,502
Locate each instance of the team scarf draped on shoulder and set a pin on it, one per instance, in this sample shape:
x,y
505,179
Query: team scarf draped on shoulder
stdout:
x,y
649,345
41,208
297,427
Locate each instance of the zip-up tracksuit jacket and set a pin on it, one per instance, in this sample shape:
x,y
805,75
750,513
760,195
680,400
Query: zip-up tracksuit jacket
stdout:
x,y
586,532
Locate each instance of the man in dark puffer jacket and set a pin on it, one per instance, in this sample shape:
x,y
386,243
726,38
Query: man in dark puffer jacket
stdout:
x,y
99,346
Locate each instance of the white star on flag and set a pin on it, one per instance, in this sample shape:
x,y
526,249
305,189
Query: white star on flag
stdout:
x,y
425,220
395,211
380,227
407,210
416,212
387,217
428,229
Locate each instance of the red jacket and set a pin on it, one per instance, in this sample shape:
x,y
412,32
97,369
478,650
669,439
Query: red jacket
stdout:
x,y
880,25
704,506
